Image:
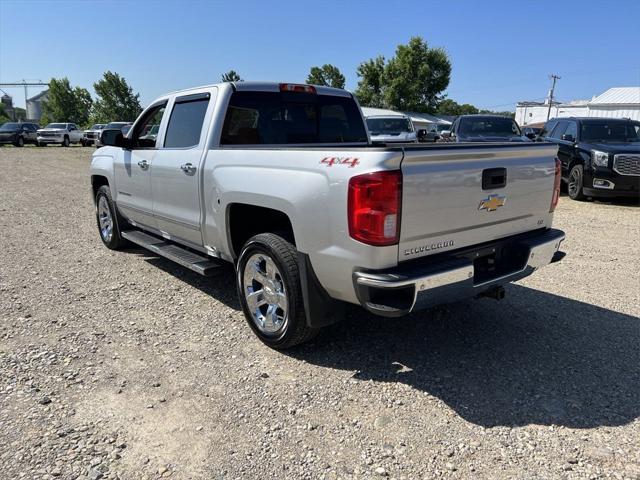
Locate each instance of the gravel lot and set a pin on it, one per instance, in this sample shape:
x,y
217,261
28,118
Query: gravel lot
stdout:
x,y
123,365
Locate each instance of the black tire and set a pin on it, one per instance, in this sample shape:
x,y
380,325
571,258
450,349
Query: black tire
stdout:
x,y
66,142
83,143
19,142
115,241
576,183
294,329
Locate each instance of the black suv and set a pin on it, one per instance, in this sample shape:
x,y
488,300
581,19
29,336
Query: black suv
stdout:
x,y
600,157
18,134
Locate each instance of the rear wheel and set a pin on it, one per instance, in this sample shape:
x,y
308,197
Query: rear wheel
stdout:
x,y
576,183
268,282
108,219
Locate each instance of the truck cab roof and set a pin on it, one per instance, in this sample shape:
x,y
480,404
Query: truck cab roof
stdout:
x,y
254,86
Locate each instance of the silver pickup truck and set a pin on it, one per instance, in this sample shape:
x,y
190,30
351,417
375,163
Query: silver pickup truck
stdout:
x,y
282,180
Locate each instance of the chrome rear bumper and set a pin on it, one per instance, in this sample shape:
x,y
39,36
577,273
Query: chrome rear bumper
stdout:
x,y
453,276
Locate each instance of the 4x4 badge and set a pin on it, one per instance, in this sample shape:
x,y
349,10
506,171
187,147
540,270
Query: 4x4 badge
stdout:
x,y
492,202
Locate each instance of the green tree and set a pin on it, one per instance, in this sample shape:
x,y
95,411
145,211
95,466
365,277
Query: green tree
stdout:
x,y
412,80
503,114
116,100
231,76
327,75
451,107
415,78
369,91
3,115
67,104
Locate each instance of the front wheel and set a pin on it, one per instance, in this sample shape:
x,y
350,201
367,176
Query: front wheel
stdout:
x,y
268,282
66,142
19,142
576,183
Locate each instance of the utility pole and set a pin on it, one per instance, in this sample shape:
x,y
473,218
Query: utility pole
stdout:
x,y
553,77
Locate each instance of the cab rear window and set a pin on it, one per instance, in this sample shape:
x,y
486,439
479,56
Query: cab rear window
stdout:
x,y
280,118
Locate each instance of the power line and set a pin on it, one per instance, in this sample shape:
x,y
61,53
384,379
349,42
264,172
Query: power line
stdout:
x,y
554,77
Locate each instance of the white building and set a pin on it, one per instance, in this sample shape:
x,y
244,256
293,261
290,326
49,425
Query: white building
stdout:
x,y
534,112
575,108
622,102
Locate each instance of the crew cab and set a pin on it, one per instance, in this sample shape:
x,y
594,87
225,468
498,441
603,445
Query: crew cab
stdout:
x,y
283,181
600,157
18,134
484,128
61,133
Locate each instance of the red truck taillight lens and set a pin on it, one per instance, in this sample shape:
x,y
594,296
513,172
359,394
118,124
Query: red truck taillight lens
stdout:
x,y
374,207
556,186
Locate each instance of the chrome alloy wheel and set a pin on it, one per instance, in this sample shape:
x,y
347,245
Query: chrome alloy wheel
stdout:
x,y
105,219
265,294
574,182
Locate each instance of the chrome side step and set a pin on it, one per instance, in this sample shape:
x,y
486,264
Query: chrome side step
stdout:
x,y
193,261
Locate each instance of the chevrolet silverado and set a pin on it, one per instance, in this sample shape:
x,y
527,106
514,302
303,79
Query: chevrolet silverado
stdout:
x,y
283,181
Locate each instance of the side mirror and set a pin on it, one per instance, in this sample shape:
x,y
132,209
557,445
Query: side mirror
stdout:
x,y
114,138
530,135
568,138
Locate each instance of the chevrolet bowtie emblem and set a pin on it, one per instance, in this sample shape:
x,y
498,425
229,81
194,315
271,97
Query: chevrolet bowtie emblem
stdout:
x,y
492,202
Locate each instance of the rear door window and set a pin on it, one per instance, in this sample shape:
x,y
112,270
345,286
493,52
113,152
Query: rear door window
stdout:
x,y
278,118
185,123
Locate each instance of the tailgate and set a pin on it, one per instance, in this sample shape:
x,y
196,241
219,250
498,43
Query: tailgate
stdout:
x,y
445,205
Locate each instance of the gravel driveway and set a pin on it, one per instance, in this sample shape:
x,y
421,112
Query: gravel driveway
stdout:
x,y
123,365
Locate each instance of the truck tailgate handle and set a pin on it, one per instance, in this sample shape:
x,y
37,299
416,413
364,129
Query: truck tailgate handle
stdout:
x,y
494,178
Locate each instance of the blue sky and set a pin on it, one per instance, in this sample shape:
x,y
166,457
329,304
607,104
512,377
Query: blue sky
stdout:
x,y
501,51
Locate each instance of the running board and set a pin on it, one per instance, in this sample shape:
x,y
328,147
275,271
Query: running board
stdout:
x,y
198,263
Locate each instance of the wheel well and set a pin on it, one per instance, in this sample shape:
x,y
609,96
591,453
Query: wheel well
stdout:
x,y
96,182
245,221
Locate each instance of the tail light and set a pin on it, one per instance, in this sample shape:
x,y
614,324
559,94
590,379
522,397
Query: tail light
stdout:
x,y
556,186
291,87
374,207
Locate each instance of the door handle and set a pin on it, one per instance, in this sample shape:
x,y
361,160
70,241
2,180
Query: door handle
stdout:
x,y
143,164
187,168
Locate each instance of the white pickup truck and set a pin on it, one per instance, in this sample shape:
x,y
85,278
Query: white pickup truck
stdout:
x,y
283,181
61,133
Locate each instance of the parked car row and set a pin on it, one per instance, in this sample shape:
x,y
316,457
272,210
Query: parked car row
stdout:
x,y
600,157
23,133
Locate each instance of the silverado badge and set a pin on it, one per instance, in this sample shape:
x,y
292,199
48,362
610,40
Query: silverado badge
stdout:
x,y
492,202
